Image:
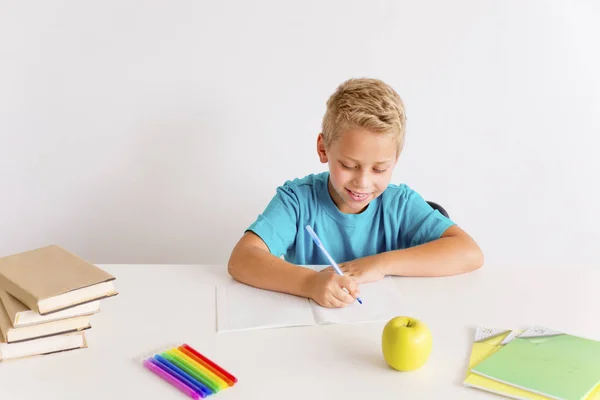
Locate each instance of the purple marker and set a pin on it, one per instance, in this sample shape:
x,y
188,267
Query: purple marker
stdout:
x,y
172,380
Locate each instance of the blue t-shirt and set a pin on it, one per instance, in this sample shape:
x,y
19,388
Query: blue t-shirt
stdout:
x,y
399,218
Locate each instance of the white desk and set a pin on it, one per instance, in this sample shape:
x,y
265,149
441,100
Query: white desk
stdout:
x,y
161,305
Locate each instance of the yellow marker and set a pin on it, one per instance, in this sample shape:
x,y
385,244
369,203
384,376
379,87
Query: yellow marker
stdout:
x,y
215,378
220,383
191,370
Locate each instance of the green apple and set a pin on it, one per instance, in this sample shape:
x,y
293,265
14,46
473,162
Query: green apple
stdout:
x,y
406,343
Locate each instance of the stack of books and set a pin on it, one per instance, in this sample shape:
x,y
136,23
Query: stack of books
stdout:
x,y
47,298
535,363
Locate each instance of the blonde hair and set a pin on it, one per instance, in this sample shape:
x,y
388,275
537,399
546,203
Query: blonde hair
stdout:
x,y
367,103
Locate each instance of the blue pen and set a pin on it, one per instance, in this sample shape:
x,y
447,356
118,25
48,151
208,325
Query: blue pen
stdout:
x,y
315,238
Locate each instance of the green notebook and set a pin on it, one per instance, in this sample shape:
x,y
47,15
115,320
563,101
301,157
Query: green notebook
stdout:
x,y
547,362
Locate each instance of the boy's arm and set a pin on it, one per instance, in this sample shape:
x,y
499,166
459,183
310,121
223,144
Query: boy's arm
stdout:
x,y
455,252
252,263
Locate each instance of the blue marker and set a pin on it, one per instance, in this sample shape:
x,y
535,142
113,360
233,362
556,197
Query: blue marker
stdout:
x,y
315,238
183,376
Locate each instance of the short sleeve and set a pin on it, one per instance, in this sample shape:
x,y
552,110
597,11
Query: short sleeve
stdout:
x,y
278,224
420,223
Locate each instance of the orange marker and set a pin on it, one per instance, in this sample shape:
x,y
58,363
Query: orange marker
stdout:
x,y
200,367
226,376
198,360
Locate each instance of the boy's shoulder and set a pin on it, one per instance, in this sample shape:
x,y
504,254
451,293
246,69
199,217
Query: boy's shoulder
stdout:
x,y
398,191
401,197
310,183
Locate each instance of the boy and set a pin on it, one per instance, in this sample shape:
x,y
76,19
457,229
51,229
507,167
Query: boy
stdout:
x,y
370,227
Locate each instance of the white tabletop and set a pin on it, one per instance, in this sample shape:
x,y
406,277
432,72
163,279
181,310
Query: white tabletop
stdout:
x,y
161,305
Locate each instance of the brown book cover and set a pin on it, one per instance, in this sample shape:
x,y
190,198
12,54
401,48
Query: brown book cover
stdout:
x,y
50,279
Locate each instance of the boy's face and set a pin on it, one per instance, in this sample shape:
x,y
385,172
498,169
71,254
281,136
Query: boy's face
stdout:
x,y
360,167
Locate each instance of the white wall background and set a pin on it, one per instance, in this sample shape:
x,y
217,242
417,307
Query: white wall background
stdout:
x,y
156,131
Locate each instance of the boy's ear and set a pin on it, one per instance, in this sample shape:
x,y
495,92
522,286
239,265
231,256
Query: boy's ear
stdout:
x,y
321,150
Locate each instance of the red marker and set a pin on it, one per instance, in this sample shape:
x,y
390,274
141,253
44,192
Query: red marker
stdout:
x,y
226,376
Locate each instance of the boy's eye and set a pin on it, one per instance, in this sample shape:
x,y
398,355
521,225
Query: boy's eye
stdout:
x,y
346,166
379,171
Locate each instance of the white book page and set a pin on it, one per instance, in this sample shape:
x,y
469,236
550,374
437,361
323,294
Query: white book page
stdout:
x,y
381,302
244,307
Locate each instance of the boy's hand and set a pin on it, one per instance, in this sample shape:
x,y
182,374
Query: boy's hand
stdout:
x,y
327,289
362,270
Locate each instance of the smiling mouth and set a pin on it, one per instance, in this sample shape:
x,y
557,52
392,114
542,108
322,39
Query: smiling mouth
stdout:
x,y
357,196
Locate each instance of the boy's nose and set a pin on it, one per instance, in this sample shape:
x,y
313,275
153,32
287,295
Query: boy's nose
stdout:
x,y
361,180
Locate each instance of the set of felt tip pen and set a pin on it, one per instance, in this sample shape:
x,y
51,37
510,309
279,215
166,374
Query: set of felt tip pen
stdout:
x,y
190,372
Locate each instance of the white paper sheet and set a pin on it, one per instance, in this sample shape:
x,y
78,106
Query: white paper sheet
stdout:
x,y
381,302
243,307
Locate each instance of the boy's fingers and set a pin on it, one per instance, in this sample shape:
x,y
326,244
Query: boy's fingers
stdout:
x,y
342,295
333,302
351,285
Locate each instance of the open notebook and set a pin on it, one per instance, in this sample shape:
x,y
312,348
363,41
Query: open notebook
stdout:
x,y
242,307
